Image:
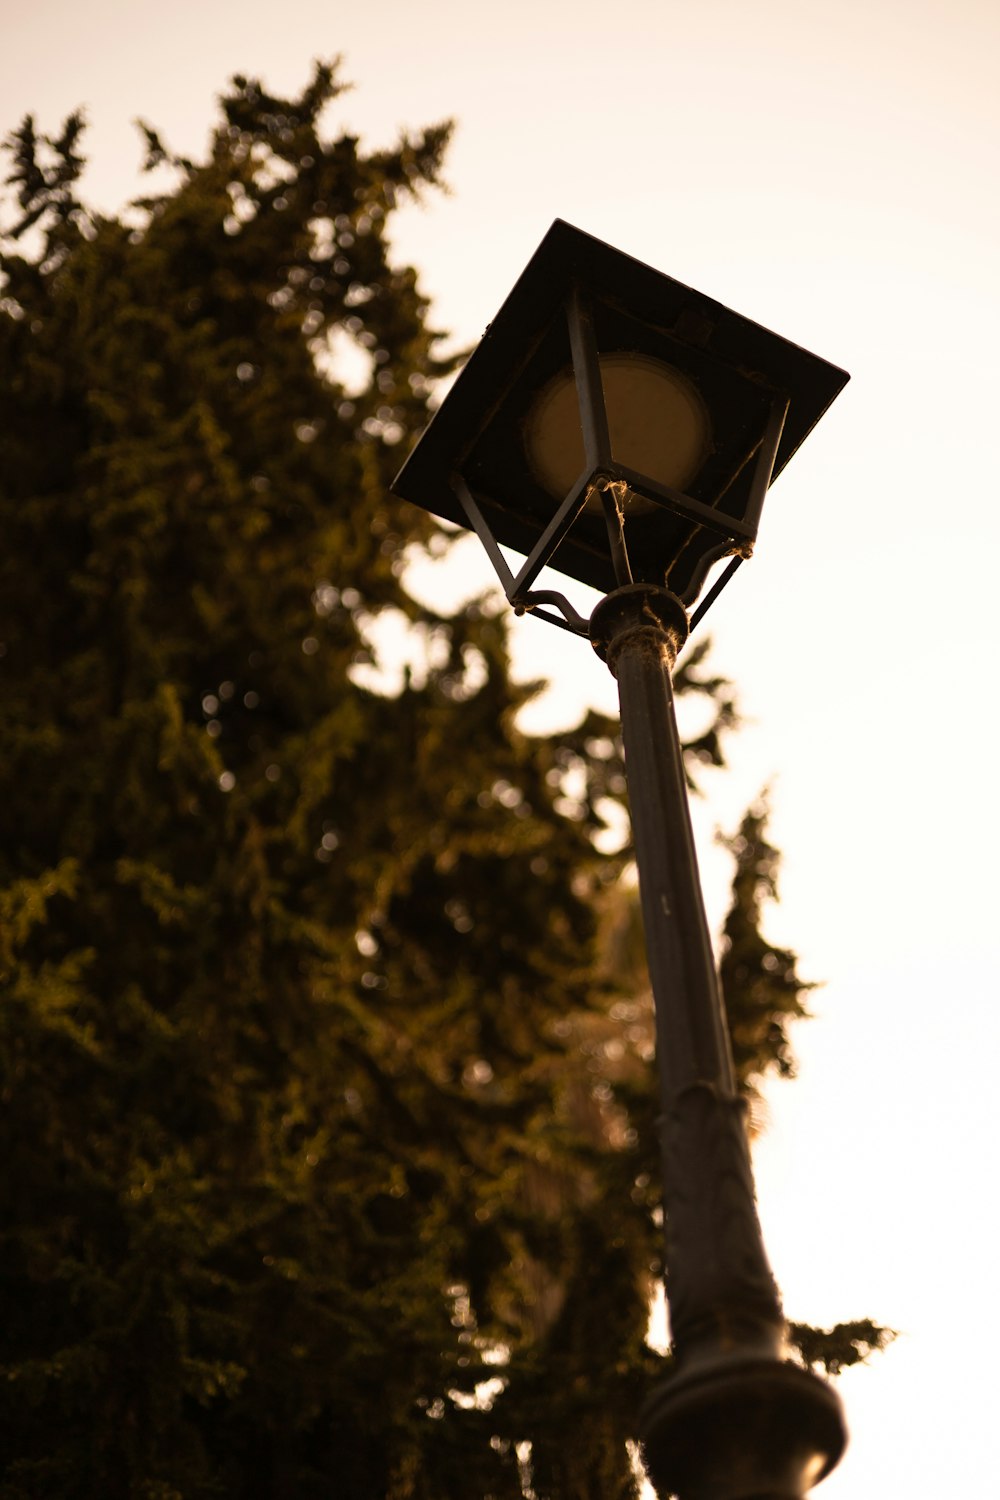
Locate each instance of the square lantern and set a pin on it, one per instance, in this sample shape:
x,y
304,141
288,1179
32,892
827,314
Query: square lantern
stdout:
x,y
615,425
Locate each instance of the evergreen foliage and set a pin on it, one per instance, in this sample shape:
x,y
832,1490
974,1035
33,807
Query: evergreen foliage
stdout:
x,y
327,1129
762,980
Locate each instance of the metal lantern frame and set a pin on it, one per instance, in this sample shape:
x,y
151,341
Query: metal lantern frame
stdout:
x,y
577,300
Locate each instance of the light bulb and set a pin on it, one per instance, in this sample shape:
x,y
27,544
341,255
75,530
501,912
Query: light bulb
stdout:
x,y
657,423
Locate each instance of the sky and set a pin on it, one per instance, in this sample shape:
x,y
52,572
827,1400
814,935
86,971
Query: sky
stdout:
x,y
829,170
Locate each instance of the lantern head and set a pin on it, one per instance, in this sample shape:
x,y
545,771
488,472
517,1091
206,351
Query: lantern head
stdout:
x,y
615,425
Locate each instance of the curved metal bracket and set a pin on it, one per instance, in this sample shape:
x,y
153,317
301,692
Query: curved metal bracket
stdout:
x,y
527,604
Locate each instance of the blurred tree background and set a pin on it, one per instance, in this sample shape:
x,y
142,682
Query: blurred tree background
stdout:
x,y
328,1129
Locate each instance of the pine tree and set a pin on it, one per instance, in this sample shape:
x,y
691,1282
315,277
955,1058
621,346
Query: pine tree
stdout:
x,y
764,993
327,1133
762,982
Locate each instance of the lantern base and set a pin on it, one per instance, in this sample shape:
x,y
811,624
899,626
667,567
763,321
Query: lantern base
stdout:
x,y
740,1427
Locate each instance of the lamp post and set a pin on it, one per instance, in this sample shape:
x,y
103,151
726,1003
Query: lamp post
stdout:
x,y
625,429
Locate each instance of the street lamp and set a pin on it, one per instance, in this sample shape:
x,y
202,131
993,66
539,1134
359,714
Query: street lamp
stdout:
x,y
624,429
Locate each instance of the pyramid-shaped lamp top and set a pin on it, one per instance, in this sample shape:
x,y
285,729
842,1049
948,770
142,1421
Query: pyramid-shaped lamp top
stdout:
x,y
696,409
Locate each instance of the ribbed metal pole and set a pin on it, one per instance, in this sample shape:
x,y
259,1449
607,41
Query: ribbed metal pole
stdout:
x,y
735,1421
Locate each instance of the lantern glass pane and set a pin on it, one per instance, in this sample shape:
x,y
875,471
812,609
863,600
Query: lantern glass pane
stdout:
x,y
657,422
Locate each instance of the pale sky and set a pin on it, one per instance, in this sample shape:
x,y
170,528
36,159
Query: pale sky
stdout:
x,y
829,170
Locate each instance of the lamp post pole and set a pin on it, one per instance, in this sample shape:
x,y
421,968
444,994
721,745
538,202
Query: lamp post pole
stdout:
x,y
684,414
735,1421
